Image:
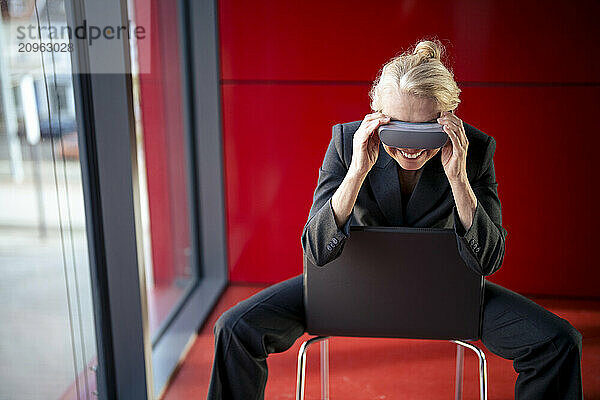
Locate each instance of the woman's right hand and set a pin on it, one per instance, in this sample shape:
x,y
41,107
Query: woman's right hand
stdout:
x,y
365,145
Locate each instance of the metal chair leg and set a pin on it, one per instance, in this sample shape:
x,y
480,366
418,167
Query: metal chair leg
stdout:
x,y
482,367
458,384
301,376
325,369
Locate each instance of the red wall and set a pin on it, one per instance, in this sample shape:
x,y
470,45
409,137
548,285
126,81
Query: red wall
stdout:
x,y
291,70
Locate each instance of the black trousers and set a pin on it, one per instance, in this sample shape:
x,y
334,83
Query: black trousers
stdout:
x,y
545,349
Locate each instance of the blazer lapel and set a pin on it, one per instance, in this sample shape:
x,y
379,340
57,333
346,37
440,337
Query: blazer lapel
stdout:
x,y
386,187
430,189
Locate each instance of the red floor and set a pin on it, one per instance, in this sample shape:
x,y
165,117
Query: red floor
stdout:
x,y
386,368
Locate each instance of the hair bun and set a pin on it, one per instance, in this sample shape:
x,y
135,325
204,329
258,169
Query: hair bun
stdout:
x,y
427,49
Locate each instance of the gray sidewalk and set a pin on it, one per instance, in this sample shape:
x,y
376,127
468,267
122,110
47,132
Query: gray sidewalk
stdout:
x,y
19,205
37,347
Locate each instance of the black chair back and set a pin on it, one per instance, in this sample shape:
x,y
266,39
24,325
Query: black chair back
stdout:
x,y
395,282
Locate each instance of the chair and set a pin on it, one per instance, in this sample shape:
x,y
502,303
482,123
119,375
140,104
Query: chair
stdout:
x,y
424,290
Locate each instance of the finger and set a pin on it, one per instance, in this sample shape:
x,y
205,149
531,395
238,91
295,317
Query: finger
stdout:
x,y
380,121
459,129
448,116
455,142
463,138
366,125
368,118
369,128
463,134
377,119
444,120
453,117
372,116
456,129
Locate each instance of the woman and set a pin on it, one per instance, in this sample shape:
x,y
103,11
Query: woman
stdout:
x,y
364,182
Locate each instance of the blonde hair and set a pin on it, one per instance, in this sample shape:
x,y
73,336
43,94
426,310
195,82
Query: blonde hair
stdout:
x,y
418,72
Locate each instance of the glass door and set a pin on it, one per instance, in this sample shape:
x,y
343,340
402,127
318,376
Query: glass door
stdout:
x,y
152,167
166,164
47,337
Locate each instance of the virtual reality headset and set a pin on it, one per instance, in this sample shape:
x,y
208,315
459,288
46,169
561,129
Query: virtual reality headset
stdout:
x,y
413,135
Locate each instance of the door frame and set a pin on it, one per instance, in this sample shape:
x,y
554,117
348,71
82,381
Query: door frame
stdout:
x,y
130,366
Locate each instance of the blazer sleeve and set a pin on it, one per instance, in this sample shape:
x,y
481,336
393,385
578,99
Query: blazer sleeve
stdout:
x,y
322,240
482,246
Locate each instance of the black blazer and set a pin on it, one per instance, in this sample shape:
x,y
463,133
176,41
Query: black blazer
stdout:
x,y
430,205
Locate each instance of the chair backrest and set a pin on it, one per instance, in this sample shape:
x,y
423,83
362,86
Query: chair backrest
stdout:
x,y
395,282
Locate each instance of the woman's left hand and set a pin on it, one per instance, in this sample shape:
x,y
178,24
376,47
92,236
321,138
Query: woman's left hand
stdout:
x,y
454,152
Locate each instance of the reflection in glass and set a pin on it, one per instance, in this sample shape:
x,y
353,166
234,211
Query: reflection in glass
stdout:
x,y
47,341
162,159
